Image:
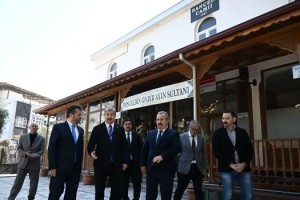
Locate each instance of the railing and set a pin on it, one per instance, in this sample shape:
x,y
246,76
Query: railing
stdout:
x,y
275,164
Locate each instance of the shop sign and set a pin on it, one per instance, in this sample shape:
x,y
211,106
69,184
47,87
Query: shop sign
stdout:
x,y
164,94
204,8
296,72
208,84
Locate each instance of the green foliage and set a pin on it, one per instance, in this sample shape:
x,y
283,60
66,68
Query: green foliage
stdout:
x,y
3,116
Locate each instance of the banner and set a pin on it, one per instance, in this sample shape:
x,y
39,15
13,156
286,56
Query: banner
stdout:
x,y
165,94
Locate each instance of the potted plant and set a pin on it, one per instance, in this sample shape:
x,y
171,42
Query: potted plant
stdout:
x,y
87,175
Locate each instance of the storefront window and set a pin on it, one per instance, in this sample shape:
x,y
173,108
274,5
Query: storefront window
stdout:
x,y
282,100
229,95
60,116
183,114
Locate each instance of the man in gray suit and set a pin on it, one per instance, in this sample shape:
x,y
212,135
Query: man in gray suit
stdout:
x,y
191,161
31,147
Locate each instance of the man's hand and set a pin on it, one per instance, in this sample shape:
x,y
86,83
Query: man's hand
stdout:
x,y
52,172
93,155
157,159
233,166
29,154
124,166
143,169
240,167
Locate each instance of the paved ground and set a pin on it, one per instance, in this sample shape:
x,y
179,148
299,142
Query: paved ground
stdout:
x,y
84,191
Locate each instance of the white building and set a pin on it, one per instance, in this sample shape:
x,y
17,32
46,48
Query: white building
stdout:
x,y
20,104
174,29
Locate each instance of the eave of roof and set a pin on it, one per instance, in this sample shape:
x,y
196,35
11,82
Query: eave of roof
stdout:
x,y
27,94
267,20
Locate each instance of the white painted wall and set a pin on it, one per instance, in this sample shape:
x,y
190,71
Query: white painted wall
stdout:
x,y
175,31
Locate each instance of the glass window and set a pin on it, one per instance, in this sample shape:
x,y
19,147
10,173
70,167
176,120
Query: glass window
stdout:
x,y
282,100
149,54
20,122
207,28
60,116
184,114
113,71
38,120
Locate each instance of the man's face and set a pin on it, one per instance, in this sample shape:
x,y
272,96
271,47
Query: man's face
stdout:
x,y
195,129
76,117
109,117
127,126
161,121
33,128
228,120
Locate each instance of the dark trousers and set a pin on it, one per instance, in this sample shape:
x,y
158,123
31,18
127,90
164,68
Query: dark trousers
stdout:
x,y
34,175
71,178
184,179
115,178
163,178
133,172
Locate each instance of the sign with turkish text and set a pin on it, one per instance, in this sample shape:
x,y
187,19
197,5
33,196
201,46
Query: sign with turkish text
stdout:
x,y
208,84
204,8
164,94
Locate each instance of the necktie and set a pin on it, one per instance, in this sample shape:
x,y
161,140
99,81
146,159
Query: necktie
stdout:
x,y
74,138
110,132
193,146
128,138
74,133
158,137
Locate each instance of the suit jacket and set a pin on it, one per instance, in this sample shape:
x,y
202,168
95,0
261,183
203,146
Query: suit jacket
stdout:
x,y
169,146
37,147
224,150
135,148
62,147
104,148
186,155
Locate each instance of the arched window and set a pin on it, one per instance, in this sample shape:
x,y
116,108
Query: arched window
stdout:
x,y
148,54
207,28
113,71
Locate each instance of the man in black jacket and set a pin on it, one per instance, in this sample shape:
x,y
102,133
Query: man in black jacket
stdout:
x,y
158,158
65,154
109,150
233,149
133,171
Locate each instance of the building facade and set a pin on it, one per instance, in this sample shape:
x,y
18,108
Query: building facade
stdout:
x,y
242,56
20,104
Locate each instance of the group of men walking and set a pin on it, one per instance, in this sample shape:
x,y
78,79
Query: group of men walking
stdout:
x,y
119,155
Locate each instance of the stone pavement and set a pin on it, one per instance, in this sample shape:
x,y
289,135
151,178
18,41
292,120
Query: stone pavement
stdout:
x,y
84,191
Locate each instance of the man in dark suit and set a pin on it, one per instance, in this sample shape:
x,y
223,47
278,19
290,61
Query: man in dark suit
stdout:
x,y
191,161
65,153
133,171
31,148
158,158
109,150
233,149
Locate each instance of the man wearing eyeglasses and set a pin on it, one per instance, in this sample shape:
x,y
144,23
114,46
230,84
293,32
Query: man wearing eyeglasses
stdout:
x,y
191,161
31,147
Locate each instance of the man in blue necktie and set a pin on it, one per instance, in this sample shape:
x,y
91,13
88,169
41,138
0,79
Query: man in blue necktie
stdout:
x,y
108,148
65,154
158,158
